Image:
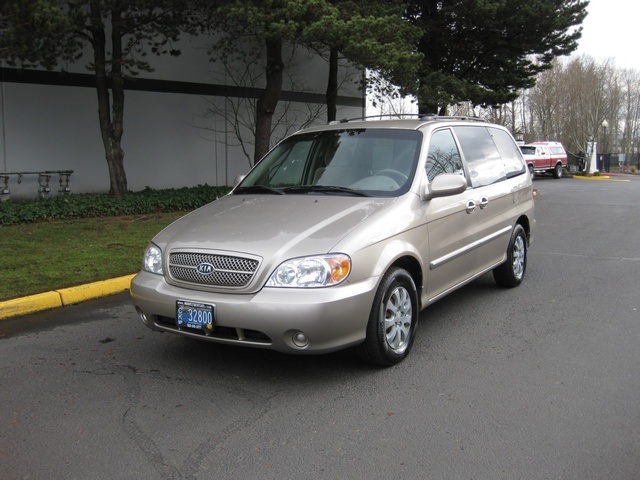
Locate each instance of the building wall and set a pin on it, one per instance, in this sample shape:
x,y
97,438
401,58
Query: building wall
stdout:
x,y
49,121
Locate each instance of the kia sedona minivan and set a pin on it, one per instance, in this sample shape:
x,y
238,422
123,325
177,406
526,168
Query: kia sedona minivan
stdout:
x,y
341,235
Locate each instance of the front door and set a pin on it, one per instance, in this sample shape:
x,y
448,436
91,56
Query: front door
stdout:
x,y
451,222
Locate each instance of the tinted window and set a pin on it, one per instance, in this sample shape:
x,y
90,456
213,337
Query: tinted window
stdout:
x,y
484,161
443,156
509,151
528,150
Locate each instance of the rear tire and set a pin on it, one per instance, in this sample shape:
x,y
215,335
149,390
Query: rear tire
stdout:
x,y
511,272
393,320
557,172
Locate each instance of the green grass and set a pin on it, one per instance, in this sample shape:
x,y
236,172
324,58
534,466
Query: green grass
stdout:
x,y
39,257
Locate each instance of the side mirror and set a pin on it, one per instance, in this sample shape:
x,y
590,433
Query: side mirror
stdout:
x,y
445,185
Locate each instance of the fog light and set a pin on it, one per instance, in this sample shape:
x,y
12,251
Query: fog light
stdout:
x,y
143,317
300,339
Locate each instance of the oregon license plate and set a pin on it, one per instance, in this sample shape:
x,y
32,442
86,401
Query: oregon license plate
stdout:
x,y
198,316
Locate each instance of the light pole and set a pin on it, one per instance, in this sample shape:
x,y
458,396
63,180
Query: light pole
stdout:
x,y
605,124
591,162
637,150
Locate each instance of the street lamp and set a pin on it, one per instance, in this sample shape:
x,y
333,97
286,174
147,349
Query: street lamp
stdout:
x,y
605,124
636,149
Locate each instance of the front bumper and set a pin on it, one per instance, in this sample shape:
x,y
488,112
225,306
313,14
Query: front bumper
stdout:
x,y
328,318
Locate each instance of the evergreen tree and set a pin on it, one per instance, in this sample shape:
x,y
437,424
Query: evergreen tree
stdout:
x,y
486,51
270,23
119,33
372,35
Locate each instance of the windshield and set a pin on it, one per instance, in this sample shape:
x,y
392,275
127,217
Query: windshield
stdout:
x,y
371,162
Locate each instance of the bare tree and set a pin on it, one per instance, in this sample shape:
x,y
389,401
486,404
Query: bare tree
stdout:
x,y
570,102
630,140
545,102
244,72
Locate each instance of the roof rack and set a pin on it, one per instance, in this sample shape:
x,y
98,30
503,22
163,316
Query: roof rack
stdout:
x,y
419,116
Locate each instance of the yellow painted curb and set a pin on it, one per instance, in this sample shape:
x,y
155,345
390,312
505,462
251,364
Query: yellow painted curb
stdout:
x,y
599,177
602,177
64,296
30,304
94,290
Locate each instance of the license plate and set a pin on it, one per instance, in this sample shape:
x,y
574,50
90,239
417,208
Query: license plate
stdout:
x,y
198,316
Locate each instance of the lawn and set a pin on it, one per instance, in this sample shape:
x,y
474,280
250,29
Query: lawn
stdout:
x,y
39,257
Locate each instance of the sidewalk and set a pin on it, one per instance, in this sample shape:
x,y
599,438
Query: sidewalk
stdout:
x,y
63,297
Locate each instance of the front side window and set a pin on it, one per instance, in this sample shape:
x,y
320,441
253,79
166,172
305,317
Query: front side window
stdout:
x,y
443,156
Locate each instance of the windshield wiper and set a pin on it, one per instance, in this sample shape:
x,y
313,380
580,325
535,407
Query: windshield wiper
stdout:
x,y
327,189
259,189
515,174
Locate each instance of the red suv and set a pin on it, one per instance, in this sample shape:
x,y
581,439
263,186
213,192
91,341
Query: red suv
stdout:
x,y
545,157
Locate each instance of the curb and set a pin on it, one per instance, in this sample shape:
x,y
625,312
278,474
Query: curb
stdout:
x,y
63,297
594,177
601,177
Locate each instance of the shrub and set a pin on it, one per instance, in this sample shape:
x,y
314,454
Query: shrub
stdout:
x,y
84,205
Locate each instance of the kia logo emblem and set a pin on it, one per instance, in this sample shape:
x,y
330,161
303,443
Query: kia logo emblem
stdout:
x,y
205,268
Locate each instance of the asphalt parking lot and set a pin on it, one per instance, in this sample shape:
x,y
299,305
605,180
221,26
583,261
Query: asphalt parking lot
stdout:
x,y
537,382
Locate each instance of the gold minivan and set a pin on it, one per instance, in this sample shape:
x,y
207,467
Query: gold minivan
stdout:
x,y
341,235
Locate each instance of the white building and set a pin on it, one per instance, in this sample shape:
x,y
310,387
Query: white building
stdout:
x,y
175,134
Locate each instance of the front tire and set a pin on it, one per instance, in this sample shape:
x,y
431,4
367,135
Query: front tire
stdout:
x,y
393,320
511,272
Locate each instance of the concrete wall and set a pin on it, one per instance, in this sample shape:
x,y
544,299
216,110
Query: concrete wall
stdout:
x,y
49,121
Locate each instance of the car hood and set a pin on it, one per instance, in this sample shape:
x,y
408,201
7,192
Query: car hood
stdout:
x,y
274,227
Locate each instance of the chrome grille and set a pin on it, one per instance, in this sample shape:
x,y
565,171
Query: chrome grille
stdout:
x,y
228,271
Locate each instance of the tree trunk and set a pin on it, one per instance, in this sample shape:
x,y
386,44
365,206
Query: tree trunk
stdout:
x,y
332,85
268,100
110,113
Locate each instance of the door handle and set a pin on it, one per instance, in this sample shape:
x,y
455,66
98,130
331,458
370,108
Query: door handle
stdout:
x,y
484,201
471,206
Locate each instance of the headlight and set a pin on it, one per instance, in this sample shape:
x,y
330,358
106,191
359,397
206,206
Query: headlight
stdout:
x,y
311,272
152,261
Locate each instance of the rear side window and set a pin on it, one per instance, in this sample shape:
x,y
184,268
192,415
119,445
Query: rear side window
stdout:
x,y
526,150
509,151
483,159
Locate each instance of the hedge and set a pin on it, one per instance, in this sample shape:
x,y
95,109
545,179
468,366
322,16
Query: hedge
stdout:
x,y
102,205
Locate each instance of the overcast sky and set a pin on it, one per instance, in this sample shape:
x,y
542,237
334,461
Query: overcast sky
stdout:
x,y
612,30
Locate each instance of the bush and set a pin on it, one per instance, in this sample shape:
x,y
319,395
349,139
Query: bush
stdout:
x,y
101,205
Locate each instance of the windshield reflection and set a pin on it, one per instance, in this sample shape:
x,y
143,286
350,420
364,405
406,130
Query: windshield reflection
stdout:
x,y
371,162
